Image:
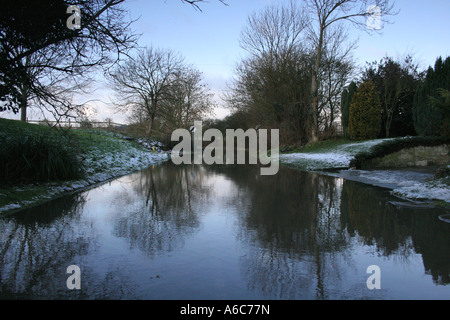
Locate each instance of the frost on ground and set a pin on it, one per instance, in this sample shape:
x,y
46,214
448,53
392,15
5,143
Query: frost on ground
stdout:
x,y
317,161
114,157
410,184
336,157
100,163
435,190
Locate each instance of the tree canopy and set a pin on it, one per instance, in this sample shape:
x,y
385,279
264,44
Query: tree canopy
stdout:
x,y
428,119
396,83
37,47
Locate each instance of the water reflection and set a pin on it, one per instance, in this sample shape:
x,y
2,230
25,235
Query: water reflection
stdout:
x,y
293,221
36,242
304,226
200,232
367,213
162,207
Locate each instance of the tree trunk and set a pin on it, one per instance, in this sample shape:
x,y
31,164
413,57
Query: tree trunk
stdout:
x,y
23,103
23,113
151,109
387,125
315,91
315,104
150,126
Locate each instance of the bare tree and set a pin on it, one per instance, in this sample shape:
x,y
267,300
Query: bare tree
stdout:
x,y
270,84
273,79
328,13
336,68
36,43
49,89
274,32
195,3
102,27
186,100
141,82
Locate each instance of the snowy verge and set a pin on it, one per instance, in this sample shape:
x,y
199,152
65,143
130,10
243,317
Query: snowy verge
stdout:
x,y
317,161
430,190
100,166
329,158
412,184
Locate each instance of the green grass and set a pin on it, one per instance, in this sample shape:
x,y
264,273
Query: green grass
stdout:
x,y
385,146
21,194
19,127
36,153
92,140
321,146
441,204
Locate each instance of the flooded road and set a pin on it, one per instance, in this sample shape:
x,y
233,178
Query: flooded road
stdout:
x,y
225,232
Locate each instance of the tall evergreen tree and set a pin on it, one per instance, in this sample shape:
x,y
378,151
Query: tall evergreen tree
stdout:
x,y
443,105
427,118
396,83
346,100
365,113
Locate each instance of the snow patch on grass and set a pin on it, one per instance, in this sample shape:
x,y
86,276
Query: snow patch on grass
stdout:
x,y
435,190
10,207
110,157
328,158
314,161
354,148
410,184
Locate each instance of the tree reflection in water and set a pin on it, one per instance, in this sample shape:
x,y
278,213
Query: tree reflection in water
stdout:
x,y
396,231
162,208
293,221
36,242
302,227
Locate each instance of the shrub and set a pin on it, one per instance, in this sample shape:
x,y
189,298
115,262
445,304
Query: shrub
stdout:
x,y
37,157
365,113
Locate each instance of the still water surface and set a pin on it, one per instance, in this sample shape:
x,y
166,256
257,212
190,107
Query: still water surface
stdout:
x,y
200,232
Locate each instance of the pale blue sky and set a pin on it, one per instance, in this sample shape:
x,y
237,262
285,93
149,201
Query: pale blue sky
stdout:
x,y
210,39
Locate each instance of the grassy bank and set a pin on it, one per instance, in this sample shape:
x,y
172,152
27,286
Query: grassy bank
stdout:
x,y
394,145
329,154
95,156
344,153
